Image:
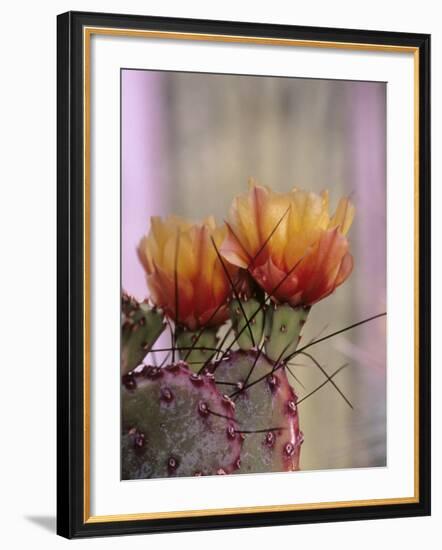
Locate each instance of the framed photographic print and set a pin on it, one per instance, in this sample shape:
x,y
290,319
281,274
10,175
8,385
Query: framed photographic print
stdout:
x,y
243,274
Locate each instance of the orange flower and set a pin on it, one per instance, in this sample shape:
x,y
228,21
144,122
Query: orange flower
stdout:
x,y
183,269
289,243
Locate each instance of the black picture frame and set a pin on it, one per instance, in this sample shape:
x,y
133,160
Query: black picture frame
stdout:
x,y
71,520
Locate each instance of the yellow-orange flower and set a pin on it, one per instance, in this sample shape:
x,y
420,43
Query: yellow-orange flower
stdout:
x,y
289,243
184,274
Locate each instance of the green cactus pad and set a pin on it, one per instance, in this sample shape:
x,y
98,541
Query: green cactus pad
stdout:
x,y
141,326
176,423
283,327
248,325
204,342
267,408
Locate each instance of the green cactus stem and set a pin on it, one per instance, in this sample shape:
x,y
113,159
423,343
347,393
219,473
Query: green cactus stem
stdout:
x,y
265,406
249,314
141,326
176,423
197,347
283,328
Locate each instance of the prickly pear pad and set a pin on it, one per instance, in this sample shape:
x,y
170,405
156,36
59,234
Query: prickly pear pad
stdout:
x,y
267,407
176,423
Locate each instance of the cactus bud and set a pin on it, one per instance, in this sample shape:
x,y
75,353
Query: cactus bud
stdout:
x,y
196,347
141,326
244,328
283,327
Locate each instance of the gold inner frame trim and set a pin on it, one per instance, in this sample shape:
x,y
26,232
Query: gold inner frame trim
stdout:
x,y
87,33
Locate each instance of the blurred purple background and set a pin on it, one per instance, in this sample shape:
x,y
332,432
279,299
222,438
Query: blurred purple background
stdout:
x,y
189,144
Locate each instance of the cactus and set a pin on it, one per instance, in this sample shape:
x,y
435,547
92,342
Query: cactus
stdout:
x,y
266,412
141,326
283,327
247,322
196,347
176,423
273,247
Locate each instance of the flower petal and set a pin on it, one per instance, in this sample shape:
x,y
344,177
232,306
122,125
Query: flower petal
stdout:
x,y
233,250
276,282
183,270
344,216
